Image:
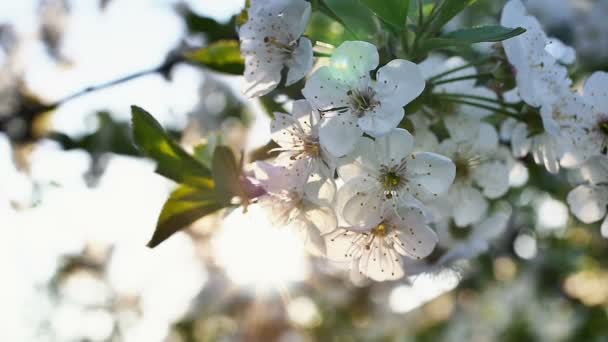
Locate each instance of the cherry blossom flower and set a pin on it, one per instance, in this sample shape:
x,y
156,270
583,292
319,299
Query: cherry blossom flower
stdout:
x,y
289,208
353,103
297,134
271,39
545,148
585,122
385,173
588,201
378,253
540,77
481,173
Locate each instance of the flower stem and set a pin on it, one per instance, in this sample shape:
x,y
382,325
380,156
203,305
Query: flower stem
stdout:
x,y
462,78
468,65
480,98
483,106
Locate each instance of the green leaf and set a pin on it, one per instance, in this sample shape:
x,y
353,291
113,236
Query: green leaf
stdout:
x,y
227,174
394,12
184,206
448,10
172,161
223,56
358,20
325,29
472,35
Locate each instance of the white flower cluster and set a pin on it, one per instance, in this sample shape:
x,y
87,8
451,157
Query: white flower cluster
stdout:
x,y
362,190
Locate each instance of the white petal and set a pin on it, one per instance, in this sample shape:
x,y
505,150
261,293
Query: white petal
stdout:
x,y
354,59
260,78
588,203
415,239
381,264
493,178
596,89
300,62
323,218
393,147
398,83
495,224
326,91
339,135
363,160
363,205
341,246
469,205
429,174
381,120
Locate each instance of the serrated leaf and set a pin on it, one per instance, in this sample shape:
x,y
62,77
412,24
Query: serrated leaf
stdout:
x,y
472,35
358,20
223,56
184,206
393,12
226,173
171,160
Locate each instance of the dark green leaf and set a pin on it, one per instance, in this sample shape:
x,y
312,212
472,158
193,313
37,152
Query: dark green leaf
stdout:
x,y
472,35
226,173
357,19
172,161
223,56
212,29
394,12
184,206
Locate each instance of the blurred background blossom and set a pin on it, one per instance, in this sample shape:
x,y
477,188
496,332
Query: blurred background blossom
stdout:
x,y
78,203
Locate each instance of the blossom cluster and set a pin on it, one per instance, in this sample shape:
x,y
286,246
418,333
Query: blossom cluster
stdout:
x,y
369,184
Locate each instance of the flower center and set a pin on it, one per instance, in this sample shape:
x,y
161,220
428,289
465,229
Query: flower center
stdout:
x,y
380,230
362,101
312,148
465,166
287,48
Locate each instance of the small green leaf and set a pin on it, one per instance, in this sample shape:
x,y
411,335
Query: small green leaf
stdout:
x,y
394,12
172,161
184,206
223,56
226,173
357,19
472,35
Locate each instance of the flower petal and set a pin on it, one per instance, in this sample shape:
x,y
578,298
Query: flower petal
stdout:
x,y
415,239
429,174
300,62
493,178
588,203
339,135
468,205
381,120
354,59
362,203
398,83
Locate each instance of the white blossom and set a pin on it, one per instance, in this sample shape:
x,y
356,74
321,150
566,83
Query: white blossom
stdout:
x,y
588,201
289,208
481,173
353,103
540,77
385,173
271,39
584,121
378,253
297,134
